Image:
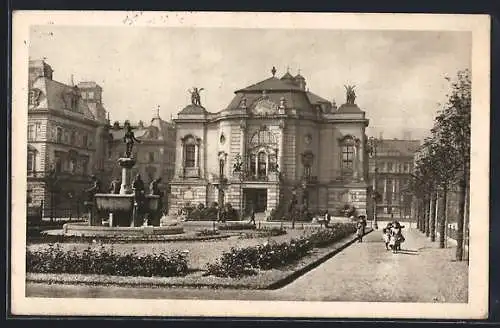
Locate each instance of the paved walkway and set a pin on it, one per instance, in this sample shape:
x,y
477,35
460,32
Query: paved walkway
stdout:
x,y
363,272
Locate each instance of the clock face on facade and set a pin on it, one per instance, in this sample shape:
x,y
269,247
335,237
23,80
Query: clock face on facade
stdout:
x,y
265,106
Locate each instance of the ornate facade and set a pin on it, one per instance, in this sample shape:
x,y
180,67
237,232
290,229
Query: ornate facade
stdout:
x,y
274,139
65,136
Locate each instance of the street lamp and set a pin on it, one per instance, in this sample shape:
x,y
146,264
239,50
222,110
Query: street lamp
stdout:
x,y
373,153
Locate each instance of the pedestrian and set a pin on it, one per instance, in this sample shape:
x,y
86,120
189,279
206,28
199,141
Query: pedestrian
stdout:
x,y
327,219
360,231
252,215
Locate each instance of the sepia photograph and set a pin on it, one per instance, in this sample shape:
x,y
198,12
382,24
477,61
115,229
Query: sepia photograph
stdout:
x,y
250,164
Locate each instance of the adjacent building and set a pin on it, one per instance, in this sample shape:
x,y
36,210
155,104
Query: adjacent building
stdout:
x,y
274,139
70,139
65,133
394,161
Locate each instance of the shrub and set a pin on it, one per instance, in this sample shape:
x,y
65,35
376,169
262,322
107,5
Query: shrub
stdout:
x,y
264,232
207,232
246,261
105,261
326,237
236,226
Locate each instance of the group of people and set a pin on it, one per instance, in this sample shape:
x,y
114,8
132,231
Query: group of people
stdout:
x,y
393,236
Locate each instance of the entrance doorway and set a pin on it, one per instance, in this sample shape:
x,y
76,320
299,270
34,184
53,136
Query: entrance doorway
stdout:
x,y
256,198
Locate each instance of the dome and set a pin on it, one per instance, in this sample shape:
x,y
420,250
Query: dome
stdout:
x,y
193,110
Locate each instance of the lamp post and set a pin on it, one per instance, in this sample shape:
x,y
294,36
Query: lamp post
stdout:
x,y
373,153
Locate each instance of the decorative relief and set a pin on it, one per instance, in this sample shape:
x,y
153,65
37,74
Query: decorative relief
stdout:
x,y
308,139
34,97
265,106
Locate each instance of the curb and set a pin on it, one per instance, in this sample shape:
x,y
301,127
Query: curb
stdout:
x,y
274,285
296,274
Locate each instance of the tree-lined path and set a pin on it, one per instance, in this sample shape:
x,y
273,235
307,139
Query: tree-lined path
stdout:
x,y
422,272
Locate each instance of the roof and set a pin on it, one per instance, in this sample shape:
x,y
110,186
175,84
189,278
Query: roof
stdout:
x,y
57,95
193,110
296,100
403,147
88,84
271,84
298,76
349,108
314,98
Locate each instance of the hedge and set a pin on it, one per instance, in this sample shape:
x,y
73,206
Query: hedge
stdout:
x,y
106,262
246,261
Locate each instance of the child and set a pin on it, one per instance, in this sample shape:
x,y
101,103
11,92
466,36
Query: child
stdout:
x,y
360,227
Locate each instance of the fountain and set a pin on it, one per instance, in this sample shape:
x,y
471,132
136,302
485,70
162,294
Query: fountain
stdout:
x,y
129,211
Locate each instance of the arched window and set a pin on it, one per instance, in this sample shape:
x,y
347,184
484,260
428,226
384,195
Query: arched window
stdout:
x,y
263,137
190,155
190,159
348,155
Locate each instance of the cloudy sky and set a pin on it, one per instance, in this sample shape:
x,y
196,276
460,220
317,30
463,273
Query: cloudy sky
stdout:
x,y
399,75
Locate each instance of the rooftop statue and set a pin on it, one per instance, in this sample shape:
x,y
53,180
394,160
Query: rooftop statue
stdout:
x,y
195,96
350,94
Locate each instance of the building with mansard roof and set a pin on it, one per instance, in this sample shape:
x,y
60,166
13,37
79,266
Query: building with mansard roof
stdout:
x,y
66,133
275,138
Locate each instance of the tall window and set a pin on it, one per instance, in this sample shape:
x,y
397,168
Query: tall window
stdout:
x,y
85,140
190,156
347,157
58,162
31,132
273,163
261,164
73,138
151,157
389,167
31,162
85,165
253,168
59,135
221,167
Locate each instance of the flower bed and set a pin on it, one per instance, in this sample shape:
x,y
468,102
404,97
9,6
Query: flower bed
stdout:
x,y
246,261
105,262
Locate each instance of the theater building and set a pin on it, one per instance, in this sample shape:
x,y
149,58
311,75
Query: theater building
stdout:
x,y
274,139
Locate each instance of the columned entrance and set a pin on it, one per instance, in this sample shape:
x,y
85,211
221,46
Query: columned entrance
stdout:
x,y
256,198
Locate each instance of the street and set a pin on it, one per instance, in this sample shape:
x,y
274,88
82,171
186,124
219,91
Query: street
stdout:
x,y
363,272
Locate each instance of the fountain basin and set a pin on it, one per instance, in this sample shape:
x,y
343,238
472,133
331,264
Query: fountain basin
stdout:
x,y
116,202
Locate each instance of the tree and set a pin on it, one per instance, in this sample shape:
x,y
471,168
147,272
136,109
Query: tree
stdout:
x,y
446,160
453,125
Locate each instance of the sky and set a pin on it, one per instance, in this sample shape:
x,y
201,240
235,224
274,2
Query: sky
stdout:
x,y
399,75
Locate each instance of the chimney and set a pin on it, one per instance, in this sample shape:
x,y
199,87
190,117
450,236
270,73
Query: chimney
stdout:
x,y
381,135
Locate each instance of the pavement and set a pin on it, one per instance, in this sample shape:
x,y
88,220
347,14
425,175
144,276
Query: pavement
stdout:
x,y
363,272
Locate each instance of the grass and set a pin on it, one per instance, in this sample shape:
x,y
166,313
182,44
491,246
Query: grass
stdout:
x,y
199,252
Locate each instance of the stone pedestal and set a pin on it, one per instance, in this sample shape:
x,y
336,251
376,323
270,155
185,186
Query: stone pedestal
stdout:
x,y
126,164
94,219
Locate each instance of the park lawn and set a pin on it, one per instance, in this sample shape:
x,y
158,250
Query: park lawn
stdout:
x,y
264,279
200,252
